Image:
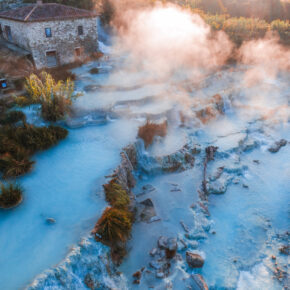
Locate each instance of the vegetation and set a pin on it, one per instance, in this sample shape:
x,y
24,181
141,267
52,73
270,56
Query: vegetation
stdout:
x,y
11,195
108,11
240,29
268,10
55,97
114,226
150,130
13,117
18,143
282,28
116,195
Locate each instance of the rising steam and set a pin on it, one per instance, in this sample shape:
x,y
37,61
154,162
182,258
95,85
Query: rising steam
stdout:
x,y
171,46
167,39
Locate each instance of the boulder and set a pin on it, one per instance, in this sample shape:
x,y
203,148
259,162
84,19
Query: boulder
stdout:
x,y
277,146
194,260
50,221
146,211
94,71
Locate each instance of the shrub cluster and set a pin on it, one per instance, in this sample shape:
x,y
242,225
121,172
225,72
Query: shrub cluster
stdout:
x,y
18,143
116,195
13,117
243,28
115,224
54,97
148,131
11,195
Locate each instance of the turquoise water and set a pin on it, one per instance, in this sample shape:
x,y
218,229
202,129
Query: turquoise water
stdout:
x,y
65,185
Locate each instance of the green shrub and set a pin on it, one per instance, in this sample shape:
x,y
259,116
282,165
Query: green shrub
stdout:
x,y
33,138
116,195
55,97
282,28
17,144
15,165
11,195
114,226
23,101
13,117
150,130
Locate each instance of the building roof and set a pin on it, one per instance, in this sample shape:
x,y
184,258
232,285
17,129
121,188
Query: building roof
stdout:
x,y
45,12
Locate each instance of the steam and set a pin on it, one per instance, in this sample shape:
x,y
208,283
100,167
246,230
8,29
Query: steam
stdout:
x,y
173,57
266,58
165,40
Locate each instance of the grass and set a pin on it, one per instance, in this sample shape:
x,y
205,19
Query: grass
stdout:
x,y
11,195
148,131
19,143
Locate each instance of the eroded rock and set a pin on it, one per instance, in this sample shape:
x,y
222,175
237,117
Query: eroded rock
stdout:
x,y
50,221
199,281
146,211
194,260
277,146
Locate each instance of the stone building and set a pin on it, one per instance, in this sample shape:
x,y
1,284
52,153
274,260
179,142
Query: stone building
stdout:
x,y
52,34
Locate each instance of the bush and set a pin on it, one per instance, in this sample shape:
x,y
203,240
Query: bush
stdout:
x,y
116,195
15,165
33,138
114,226
55,97
13,117
23,101
17,144
282,28
11,195
150,130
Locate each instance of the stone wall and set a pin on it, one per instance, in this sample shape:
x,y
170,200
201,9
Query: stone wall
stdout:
x,y
64,40
19,32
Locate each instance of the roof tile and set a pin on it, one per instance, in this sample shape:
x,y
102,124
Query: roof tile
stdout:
x,y
45,12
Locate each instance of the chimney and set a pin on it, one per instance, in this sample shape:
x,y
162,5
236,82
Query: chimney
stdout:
x,y
39,2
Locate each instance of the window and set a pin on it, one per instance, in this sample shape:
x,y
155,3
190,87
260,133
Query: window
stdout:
x,y
80,30
8,32
3,84
48,32
78,52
